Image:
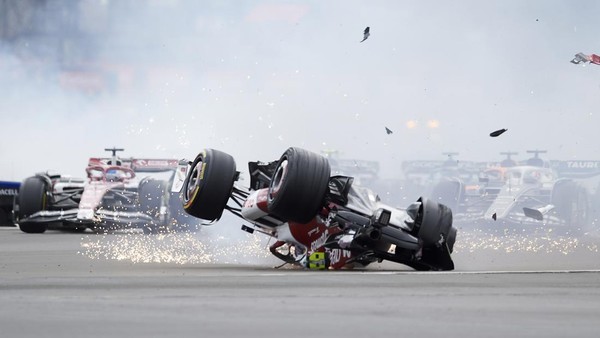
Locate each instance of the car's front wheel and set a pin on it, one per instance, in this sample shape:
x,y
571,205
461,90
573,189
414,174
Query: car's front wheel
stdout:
x,y
208,184
32,198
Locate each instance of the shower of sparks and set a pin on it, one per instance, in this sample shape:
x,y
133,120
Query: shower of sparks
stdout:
x,y
473,241
179,248
212,247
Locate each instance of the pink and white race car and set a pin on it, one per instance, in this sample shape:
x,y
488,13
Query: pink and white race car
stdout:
x,y
117,194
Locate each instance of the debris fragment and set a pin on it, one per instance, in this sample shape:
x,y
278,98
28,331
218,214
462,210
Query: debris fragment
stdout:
x,y
583,58
498,132
494,216
366,34
388,131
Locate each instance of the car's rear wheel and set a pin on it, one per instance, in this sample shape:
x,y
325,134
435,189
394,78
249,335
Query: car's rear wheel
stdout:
x,y
433,220
32,197
451,239
298,186
571,203
208,184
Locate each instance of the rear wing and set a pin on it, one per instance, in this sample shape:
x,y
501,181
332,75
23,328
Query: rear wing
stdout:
x,y
354,167
430,167
576,169
147,164
94,161
138,164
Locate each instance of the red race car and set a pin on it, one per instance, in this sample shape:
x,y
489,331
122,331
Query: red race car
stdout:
x,y
319,221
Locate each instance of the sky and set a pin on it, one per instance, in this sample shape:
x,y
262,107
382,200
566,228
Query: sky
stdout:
x,y
169,78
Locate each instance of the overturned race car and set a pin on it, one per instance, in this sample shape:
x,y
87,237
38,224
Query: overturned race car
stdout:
x,y
319,221
117,194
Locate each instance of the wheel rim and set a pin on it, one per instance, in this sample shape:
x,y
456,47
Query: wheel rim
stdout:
x,y
192,184
277,180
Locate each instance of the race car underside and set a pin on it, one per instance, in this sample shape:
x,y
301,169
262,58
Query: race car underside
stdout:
x,y
428,258
129,219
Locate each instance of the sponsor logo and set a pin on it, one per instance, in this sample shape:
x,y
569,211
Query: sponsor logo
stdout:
x,y
8,192
583,164
155,163
336,255
319,241
158,163
201,176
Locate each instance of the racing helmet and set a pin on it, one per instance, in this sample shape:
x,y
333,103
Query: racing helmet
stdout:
x,y
113,174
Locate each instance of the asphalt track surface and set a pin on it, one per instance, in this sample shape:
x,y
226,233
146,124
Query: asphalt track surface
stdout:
x,y
85,285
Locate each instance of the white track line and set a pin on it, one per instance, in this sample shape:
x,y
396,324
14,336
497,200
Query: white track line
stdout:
x,y
297,273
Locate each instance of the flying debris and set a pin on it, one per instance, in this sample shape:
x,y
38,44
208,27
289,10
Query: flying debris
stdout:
x,y
366,34
580,57
494,216
498,132
538,213
388,131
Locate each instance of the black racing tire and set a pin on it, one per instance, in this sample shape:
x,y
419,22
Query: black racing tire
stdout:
x,y
433,220
449,193
298,186
451,239
32,198
571,204
208,184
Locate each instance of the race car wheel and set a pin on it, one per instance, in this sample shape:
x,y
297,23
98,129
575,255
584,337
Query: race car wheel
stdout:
x,y
570,201
451,239
449,193
32,198
433,220
152,196
298,186
208,184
